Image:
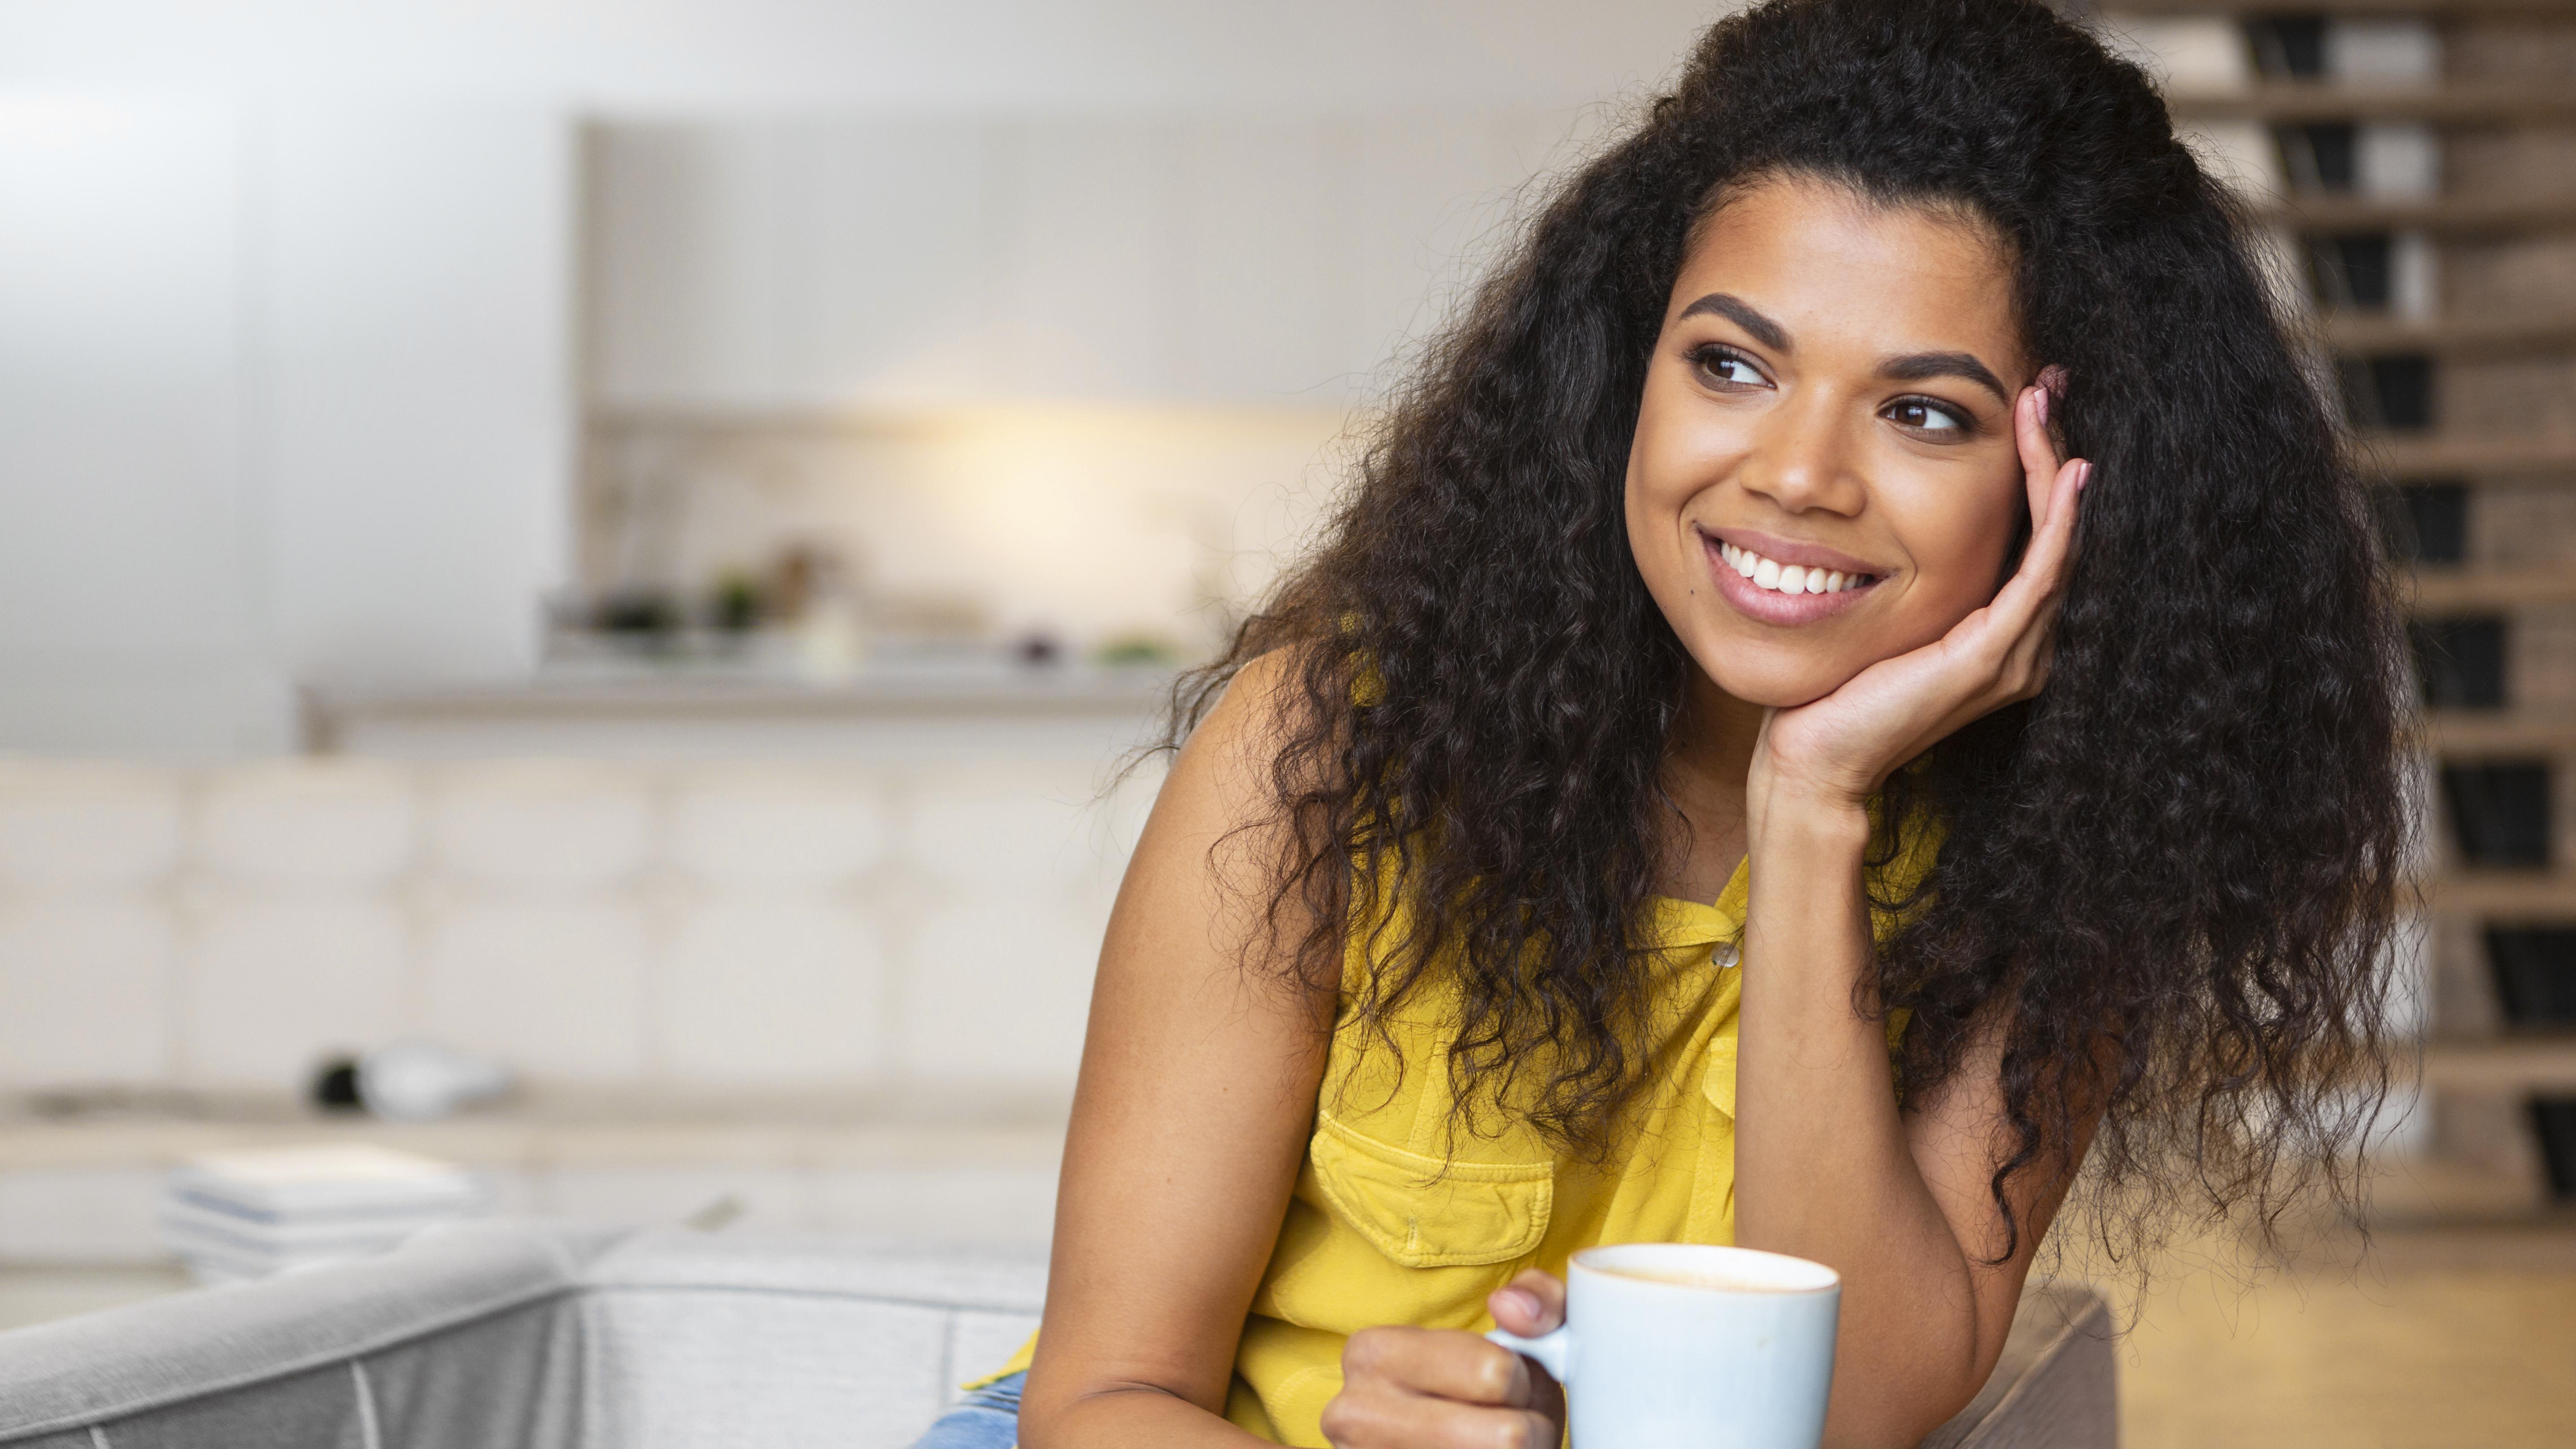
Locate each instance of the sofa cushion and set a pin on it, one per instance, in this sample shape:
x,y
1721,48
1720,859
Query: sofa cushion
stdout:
x,y
702,1340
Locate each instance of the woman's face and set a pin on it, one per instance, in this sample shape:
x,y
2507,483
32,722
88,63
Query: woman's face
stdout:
x,y
1830,406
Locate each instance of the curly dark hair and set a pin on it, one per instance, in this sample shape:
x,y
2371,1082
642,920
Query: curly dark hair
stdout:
x,y
2170,880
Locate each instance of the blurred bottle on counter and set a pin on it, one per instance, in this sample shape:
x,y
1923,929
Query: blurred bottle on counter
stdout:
x,y
814,593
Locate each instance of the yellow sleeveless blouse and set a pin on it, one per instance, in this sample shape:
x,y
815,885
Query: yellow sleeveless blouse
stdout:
x,y
1396,1218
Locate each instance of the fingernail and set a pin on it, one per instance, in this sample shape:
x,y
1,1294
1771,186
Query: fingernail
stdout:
x,y
2041,407
2083,476
1525,1302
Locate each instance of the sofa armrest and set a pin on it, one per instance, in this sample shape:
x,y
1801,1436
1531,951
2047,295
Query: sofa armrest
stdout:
x,y
2056,1386
272,1358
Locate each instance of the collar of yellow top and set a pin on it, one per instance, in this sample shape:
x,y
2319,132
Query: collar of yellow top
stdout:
x,y
1680,923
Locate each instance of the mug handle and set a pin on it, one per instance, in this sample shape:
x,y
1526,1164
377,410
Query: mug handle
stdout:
x,y
1554,1349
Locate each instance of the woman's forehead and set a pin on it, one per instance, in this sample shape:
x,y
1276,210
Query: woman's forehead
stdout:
x,y
1834,266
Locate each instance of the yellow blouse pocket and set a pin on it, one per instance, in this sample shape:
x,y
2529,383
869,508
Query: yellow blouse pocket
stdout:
x,y
1425,1212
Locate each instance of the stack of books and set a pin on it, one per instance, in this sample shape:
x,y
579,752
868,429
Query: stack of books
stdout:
x,y
250,1214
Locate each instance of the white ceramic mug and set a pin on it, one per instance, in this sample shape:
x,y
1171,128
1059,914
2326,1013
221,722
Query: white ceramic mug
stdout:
x,y
1692,1346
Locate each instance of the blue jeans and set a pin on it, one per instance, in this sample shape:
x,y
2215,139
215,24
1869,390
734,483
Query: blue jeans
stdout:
x,y
988,1418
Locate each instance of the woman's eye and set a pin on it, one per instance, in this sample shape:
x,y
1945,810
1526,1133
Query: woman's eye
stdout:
x,y
1925,416
1726,369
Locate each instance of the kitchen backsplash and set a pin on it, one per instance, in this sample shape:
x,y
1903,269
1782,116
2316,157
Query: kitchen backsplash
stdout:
x,y
1082,525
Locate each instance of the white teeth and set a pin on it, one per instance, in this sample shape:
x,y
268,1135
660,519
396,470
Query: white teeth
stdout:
x,y
1789,579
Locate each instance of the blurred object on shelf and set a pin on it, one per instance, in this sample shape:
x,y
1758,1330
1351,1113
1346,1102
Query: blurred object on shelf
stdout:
x,y
335,1086
1038,649
804,575
934,620
409,1081
637,613
1137,647
254,1213
803,616
739,605
831,644
813,591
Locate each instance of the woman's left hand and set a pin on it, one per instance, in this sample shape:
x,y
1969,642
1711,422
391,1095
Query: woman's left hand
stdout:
x,y
1842,747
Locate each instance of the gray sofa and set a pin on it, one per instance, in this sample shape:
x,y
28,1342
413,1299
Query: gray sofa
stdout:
x,y
506,1334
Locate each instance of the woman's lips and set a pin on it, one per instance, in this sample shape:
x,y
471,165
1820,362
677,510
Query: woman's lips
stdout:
x,y
1775,605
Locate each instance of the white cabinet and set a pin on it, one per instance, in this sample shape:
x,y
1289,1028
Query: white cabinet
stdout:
x,y
687,262
1089,243
1425,194
887,256
1433,202
415,398
1259,307
880,263
800,263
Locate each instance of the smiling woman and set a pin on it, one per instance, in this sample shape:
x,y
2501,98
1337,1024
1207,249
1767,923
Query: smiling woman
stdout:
x,y
1826,468
1856,683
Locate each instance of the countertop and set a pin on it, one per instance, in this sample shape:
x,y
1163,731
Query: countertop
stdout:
x,y
698,710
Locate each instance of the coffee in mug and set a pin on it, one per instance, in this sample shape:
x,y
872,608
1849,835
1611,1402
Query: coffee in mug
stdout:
x,y
1692,1346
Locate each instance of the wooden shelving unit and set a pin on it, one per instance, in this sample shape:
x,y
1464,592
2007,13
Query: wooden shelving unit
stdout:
x,y
2516,895
2469,103
2539,333
2486,734
2484,460
2358,9
2465,216
2531,1064
2490,590
2503,93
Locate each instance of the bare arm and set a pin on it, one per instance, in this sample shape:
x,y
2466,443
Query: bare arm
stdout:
x,y
1827,1167
1196,1098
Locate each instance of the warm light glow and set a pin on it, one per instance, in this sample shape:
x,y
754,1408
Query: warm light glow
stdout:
x,y
1086,522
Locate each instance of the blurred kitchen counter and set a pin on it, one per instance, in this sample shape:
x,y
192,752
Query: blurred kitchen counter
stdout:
x,y
896,713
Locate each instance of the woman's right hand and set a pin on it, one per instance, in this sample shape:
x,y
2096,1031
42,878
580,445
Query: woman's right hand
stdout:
x,y
1435,1388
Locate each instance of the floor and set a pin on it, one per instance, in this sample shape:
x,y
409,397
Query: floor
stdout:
x,y
2389,1360
2357,1360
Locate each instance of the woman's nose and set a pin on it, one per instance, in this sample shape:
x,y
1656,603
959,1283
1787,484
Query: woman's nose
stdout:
x,y
1802,460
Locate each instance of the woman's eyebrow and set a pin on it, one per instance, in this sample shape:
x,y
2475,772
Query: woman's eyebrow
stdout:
x,y
1916,366
1734,309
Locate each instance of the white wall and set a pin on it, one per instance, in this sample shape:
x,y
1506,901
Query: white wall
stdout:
x,y
128,616
1116,55
415,383
285,395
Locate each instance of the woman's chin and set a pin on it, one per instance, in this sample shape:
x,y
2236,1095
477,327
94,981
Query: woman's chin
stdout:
x,y
1777,684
